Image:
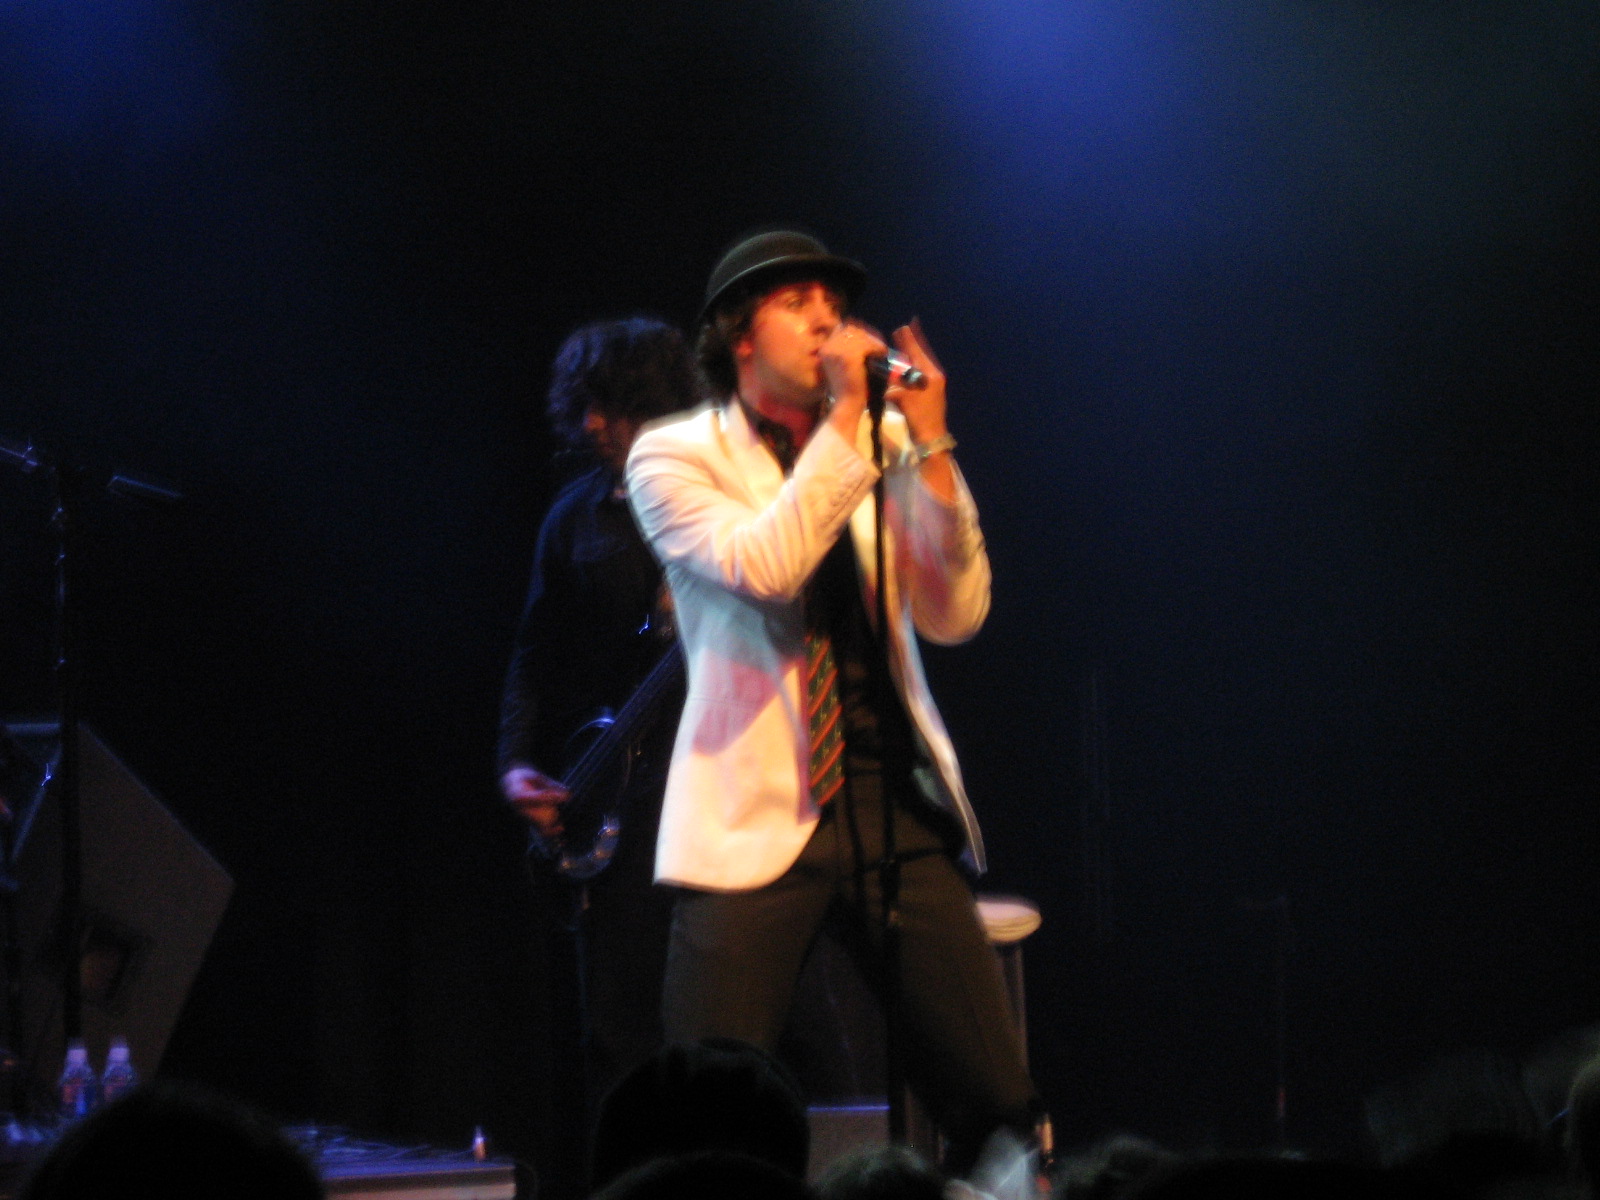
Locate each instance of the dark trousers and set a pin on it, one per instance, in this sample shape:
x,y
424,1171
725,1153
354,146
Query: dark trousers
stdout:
x,y
734,960
607,950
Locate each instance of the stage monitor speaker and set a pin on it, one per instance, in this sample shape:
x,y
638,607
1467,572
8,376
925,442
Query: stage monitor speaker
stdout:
x,y
152,900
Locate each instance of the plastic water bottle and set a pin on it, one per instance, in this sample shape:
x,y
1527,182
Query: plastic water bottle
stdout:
x,y
78,1089
119,1078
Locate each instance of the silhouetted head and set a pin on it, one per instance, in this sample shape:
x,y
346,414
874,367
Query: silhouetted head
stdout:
x,y
716,1175
882,1173
177,1142
717,1094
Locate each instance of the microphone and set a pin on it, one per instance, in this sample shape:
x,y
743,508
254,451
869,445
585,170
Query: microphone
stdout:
x,y
892,370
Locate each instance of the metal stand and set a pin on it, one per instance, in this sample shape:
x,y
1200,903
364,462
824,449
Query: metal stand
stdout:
x,y
67,486
894,1075
70,485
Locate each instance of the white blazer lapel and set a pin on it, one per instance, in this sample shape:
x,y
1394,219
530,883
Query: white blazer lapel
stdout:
x,y
755,470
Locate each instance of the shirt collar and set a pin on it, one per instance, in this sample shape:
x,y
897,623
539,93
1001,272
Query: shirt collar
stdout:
x,y
774,436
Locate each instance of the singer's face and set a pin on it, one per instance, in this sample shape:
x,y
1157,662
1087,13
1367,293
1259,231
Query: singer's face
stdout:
x,y
780,358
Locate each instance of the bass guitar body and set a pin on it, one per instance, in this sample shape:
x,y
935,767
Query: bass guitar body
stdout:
x,y
592,821
606,751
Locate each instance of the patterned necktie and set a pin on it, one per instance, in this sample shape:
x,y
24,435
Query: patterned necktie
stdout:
x,y
823,715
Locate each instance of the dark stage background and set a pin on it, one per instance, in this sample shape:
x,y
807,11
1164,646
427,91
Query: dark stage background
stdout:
x,y
1273,338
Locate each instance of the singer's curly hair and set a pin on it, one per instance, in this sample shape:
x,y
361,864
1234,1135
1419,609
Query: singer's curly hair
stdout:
x,y
638,368
729,322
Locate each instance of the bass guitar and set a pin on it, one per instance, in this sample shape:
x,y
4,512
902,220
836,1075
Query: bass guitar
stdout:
x,y
597,784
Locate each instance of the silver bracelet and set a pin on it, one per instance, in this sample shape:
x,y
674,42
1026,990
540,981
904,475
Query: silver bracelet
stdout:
x,y
926,450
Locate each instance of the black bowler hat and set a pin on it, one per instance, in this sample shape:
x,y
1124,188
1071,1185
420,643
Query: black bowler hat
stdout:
x,y
775,252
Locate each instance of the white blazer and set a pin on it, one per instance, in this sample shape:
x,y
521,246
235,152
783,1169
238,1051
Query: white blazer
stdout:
x,y
738,543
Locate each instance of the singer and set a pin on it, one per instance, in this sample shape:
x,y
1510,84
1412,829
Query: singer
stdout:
x,y
804,727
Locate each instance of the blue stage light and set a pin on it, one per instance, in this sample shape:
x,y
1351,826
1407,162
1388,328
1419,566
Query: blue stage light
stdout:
x,y
136,74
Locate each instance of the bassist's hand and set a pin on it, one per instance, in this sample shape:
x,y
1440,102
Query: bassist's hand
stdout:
x,y
537,797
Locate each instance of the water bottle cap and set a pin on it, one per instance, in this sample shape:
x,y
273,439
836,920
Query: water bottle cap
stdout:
x,y
118,1052
77,1053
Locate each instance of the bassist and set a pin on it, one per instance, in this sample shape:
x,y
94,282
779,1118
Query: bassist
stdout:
x,y
594,623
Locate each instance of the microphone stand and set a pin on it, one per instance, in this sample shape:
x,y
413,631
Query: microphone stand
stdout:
x,y
69,485
894,1078
67,489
